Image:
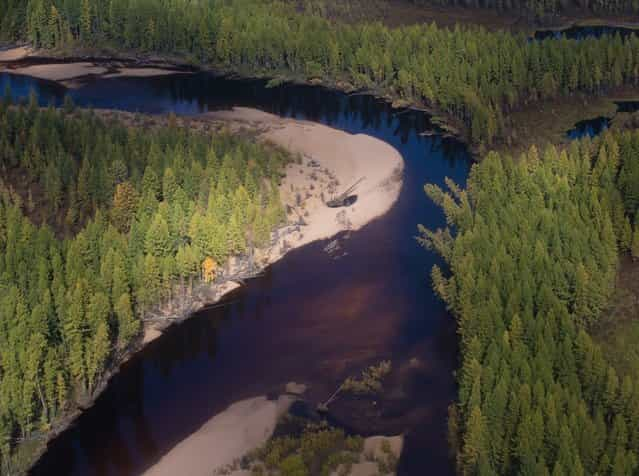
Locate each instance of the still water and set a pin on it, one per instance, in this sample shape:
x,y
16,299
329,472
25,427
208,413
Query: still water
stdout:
x,y
310,318
583,32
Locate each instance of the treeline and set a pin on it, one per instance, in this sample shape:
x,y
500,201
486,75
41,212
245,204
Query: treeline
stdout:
x,y
532,245
473,75
144,212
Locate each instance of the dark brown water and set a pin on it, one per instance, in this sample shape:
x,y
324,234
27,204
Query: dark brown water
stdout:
x,y
583,32
310,318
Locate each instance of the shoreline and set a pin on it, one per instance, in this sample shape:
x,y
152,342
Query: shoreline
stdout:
x,y
309,141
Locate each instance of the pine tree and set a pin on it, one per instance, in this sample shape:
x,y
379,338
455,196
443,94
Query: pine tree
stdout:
x,y
124,206
475,443
157,241
128,325
86,22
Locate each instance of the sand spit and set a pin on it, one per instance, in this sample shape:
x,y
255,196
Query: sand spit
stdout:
x,y
242,427
332,161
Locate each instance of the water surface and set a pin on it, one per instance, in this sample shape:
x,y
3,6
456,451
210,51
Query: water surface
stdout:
x,y
589,127
583,32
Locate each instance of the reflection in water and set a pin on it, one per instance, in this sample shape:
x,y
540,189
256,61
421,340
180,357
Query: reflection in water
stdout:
x,y
310,318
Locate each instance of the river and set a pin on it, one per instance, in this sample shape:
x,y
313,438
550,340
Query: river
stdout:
x,y
311,318
582,32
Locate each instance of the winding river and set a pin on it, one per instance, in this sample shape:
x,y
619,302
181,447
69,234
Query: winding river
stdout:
x,y
310,318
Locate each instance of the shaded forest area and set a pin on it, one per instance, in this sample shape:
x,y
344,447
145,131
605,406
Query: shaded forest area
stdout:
x,y
138,214
533,246
472,76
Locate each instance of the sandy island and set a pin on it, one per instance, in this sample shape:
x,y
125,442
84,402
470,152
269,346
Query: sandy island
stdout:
x,y
332,161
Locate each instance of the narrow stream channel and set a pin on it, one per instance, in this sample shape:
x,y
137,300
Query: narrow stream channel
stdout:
x,y
310,318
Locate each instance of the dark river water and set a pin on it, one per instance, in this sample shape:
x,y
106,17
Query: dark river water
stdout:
x,y
310,318
582,32
589,127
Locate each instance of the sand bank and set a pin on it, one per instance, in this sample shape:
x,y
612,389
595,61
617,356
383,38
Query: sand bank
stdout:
x,y
60,71
242,427
332,160
14,54
68,72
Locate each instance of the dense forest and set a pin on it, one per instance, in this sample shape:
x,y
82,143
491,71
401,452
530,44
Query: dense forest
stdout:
x,y
473,75
532,245
134,216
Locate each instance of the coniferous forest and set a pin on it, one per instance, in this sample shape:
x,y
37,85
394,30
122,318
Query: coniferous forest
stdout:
x,y
102,222
472,75
532,259
134,214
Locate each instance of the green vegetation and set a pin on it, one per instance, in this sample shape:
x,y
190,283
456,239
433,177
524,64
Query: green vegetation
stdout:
x,y
533,261
472,75
132,216
316,450
370,381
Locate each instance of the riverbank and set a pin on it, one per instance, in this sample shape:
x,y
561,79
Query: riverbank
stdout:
x,y
70,70
314,175
534,123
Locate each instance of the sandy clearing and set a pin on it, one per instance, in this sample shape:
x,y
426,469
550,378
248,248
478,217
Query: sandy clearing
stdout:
x,y
242,427
332,161
14,54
